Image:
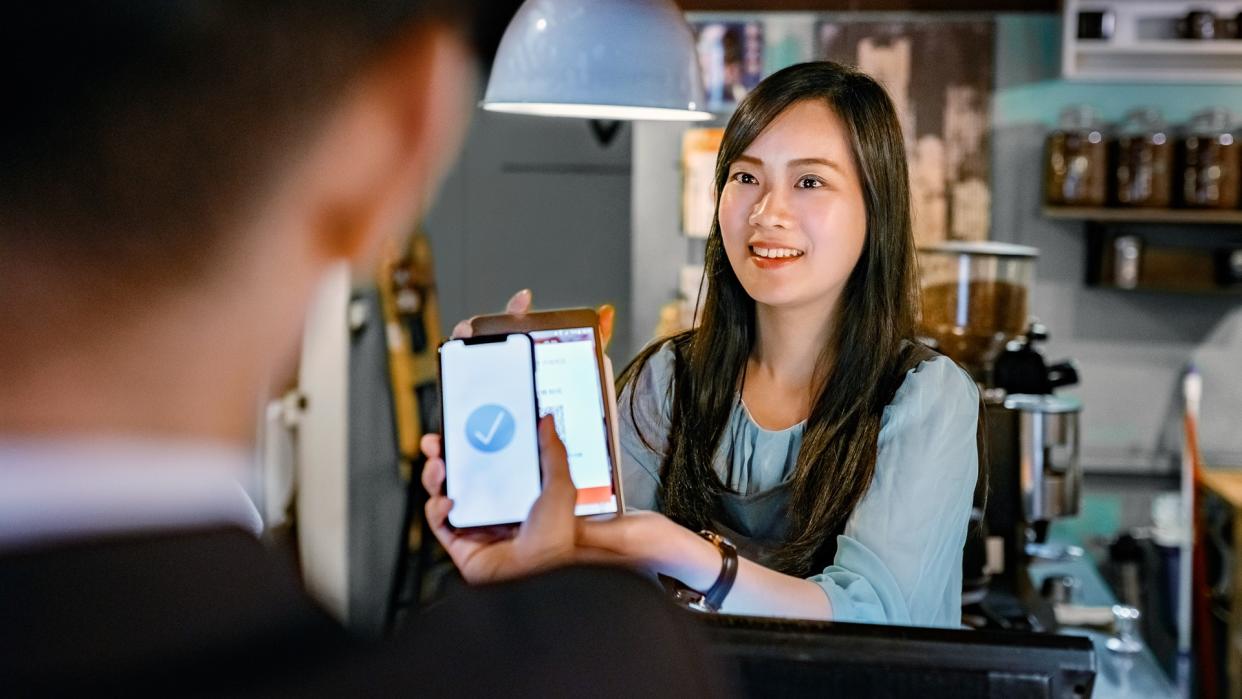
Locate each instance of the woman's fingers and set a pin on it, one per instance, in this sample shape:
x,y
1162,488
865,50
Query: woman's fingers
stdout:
x,y
520,302
607,321
463,330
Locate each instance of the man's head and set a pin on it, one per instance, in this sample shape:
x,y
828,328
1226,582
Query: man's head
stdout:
x,y
175,176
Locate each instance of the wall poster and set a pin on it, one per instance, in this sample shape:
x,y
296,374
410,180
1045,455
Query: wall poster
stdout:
x,y
699,148
731,58
939,75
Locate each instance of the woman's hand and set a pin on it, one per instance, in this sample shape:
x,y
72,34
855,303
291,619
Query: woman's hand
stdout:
x,y
544,540
657,544
653,542
521,303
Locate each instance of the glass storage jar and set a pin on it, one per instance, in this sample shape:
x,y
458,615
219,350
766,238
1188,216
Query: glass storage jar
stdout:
x,y
1144,157
1076,160
1210,162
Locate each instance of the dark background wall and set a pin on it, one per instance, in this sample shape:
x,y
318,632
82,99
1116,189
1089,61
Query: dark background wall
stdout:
x,y
539,203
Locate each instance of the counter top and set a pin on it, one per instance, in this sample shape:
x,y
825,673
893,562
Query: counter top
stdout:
x,y
1225,482
1119,674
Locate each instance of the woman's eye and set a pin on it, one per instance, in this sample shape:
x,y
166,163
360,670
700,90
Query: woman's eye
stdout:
x,y
744,178
810,183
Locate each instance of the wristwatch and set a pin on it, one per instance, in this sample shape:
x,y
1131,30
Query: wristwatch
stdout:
x,y
714,597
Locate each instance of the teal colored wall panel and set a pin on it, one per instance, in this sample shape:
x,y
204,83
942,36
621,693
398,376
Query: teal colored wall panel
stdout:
x,y
1030,88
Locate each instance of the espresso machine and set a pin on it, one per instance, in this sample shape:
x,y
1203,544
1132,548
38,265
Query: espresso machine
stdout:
x,y
974,309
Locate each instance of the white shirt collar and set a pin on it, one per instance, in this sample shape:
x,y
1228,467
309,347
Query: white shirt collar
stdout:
x,y
54,490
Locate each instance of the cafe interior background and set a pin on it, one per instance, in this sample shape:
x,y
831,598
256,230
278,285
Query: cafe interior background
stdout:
x,y
1030,129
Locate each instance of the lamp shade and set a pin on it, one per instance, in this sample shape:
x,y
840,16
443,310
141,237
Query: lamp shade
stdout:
x,y
598,59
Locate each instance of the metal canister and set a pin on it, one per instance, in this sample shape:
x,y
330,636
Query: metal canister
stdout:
x,y
1050,473
1127,261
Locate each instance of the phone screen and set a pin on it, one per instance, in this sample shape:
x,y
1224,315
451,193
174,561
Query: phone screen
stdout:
x,y
569,390
491,443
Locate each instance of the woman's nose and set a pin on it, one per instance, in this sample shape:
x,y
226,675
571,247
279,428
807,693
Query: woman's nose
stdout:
x,y
770,211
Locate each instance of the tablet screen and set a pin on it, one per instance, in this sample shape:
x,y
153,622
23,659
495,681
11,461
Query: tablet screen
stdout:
x,y
567,380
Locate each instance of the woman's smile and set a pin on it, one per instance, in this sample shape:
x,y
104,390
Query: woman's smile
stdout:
x,y
772,256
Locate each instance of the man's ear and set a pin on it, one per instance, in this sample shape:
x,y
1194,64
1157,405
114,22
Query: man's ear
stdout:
x,y
395,136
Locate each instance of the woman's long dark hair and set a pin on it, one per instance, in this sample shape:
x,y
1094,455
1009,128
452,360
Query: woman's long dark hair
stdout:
x,y
874,319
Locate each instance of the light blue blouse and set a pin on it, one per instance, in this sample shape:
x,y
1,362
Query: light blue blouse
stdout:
x,y
899,560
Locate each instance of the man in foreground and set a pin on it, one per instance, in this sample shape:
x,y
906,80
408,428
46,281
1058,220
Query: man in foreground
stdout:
x,y
175,177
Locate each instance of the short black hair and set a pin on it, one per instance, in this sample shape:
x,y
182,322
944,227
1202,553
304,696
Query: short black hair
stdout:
x,y
138,129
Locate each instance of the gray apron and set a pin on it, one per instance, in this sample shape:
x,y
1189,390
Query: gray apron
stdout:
x,y
758,523
755,523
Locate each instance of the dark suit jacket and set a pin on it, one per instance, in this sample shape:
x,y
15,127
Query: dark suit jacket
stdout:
x,y
214,612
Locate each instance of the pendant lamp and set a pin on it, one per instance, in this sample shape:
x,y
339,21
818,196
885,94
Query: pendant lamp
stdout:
x,y
598,59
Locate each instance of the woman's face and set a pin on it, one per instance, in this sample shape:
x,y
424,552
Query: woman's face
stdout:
x,y
792,212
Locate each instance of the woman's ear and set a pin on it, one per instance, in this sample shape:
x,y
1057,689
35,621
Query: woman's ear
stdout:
x,y
396,135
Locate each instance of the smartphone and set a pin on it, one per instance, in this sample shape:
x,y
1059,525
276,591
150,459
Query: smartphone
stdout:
x,y
574,383
490,414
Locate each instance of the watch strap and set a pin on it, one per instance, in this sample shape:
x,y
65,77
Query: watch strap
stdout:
x,y
714,597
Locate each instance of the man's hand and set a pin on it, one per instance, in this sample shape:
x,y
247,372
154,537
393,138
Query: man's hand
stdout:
x,y
544,540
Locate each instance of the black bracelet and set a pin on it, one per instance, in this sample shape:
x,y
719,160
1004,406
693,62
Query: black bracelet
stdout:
x,y
714,598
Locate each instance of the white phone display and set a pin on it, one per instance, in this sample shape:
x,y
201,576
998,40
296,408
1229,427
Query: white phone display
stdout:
x,y
568,377
491,441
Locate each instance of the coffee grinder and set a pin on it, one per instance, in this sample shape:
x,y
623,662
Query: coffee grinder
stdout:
x,y
974,309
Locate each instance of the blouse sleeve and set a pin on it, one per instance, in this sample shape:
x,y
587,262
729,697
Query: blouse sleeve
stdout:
x,y
643,414
899,560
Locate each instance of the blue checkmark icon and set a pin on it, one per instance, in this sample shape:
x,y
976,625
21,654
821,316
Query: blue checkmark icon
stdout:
x,y
489,428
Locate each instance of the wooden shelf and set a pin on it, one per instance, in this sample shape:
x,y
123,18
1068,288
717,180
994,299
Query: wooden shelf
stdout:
x,y
1219,47
1178,290
1225,482
1144,43
1184,262
1222,217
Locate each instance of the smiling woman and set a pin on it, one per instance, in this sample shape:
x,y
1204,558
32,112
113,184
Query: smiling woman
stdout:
x,y
801,419
792,202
